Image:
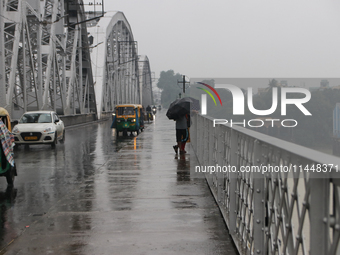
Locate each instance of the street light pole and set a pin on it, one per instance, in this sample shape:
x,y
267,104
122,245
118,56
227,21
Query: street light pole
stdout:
x,y
184,82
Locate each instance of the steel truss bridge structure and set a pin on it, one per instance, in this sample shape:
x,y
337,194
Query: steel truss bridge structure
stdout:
x,y
48,61
145,81
118,75
292,211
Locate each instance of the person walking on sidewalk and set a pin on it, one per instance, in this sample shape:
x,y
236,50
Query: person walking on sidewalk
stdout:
x,y
182,134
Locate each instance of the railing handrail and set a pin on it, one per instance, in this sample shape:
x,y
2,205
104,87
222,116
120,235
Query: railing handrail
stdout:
x,y
303,152
270,213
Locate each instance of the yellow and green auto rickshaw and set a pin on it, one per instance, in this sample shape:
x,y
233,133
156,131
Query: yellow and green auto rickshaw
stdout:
x,y
128,118
7,166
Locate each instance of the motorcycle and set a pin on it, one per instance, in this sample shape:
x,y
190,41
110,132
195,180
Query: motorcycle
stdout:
x,y
154,110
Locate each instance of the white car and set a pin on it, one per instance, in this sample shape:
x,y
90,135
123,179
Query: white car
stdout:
x,y
39,127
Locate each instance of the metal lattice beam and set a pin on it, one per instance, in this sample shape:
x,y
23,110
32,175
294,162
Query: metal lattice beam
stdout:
x,y
145,80
43,58
276,212
115,62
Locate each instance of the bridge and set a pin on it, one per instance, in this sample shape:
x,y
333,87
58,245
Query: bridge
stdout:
x,y
70,57
283,211
101,194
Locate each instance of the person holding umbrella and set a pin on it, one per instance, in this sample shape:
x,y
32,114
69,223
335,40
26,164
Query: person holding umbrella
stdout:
x,y
179,110
182,134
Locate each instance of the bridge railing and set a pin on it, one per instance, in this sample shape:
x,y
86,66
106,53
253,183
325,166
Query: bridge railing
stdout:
x,y
290,207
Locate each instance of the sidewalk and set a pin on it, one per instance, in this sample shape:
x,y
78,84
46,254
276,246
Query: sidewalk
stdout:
x,y
163,209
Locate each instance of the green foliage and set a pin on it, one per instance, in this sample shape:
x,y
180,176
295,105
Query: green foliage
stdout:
x,y
273,83
168,83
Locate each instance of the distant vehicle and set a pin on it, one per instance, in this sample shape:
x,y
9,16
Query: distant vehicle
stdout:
x,y
154,110
128,117
39,127
159,107
148,115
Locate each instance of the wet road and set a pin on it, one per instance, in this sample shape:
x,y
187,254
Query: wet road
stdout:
x,y
99,195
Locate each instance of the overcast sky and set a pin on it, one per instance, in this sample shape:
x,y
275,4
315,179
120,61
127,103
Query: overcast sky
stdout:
x,y
248,38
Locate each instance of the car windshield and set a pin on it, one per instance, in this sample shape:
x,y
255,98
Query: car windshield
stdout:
x,y
36,118
126,111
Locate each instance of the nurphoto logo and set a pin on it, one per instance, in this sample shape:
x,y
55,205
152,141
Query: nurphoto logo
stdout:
x,y
239,97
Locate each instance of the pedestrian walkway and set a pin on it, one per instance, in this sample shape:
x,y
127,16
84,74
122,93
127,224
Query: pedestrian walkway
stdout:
x,y
143,200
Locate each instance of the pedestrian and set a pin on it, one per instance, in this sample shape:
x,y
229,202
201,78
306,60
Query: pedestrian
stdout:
x,y
148,113
182,133
6,143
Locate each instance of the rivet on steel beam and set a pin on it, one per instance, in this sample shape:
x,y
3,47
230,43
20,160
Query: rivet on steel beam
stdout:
x,y
258,251
258,190
258,221
298,238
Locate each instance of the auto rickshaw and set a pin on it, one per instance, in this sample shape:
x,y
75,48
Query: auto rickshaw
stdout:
x,y
128,118
6,169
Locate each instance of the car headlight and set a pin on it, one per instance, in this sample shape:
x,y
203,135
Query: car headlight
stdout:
x,y
15,130
49,129
118,120
133,120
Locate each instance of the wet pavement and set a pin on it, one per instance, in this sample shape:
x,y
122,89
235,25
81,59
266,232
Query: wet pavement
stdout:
x,y
97,194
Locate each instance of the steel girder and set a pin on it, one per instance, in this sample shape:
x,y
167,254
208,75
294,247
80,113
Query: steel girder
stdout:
x,y
145,80
115,62
46,59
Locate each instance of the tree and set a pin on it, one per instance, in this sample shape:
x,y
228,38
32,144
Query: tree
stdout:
x,y
168,83
273,83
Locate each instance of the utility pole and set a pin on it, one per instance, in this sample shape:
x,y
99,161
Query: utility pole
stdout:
x,y
3,99
184,82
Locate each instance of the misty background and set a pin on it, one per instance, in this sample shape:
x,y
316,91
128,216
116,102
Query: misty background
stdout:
x,y
254,39
262,39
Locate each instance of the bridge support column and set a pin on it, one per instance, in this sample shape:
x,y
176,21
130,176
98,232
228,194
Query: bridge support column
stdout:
x,y
3,101
319,216
259,200
233,182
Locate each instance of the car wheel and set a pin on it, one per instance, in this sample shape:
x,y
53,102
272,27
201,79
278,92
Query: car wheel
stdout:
x,y
125,133
63,139
10,175
137,131
55,141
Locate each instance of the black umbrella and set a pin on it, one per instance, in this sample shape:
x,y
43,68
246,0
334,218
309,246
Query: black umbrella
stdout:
x,y
182,106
